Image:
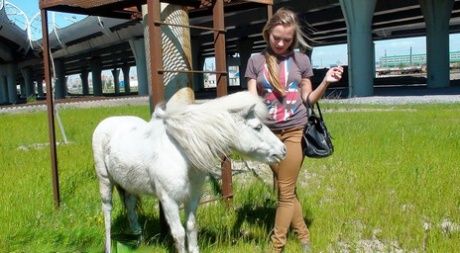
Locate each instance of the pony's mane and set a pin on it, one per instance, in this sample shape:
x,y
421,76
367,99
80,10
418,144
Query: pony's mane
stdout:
x,y
206,131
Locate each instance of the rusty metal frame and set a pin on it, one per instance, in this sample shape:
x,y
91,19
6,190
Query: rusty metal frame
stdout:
x,y
127,9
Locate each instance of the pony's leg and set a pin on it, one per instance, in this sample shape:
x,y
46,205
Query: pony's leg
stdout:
x,y
106,188
131,206
191,225
171,212
190,215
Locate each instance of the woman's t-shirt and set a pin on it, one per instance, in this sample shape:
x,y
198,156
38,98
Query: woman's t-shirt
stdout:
x,y
285,111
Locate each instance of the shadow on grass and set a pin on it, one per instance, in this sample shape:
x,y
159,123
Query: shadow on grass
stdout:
x,y
259,217
260,220
151,233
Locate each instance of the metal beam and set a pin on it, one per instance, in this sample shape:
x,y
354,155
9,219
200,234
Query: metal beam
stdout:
x,y
50,107
156,63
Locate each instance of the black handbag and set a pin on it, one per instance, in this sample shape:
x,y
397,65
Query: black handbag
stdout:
x,y
316,140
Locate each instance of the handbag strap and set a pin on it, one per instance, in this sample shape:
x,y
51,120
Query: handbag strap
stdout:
x,y
311,108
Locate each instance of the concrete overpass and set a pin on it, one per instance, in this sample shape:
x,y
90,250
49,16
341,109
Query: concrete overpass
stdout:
x,y
99,43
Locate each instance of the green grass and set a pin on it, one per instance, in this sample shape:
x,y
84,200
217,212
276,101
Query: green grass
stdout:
x,y
394,171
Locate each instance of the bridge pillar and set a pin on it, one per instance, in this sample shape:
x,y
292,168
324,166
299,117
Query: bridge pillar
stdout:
x,y
11,82
232,61
138,48
116,83
96,70
437,14
245,50
358,16
125,69
3,90
60,86
28,82
84,82
40,93
22,90
197,63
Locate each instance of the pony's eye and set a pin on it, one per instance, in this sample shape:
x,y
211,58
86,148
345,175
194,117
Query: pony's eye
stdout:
x,y
258,127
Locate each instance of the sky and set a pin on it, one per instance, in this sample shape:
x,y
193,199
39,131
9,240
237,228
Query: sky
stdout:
x,y
31,10
321,57
337,54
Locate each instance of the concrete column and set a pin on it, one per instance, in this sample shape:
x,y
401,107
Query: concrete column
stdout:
x,y
40,93
84,82
176,47
11,82
245,50
22,90
309,53
96,70
3,90
116,83
437,14
138,48
232,61
125,69
28,81
358,16
197,64
60,86
200,63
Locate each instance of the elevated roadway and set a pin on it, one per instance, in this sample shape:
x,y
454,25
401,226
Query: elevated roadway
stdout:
x,y
109,43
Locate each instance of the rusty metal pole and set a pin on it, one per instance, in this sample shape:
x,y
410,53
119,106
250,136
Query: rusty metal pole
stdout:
x,y
227,183
269,16
221,66
156,78
50,106
269,11
156,56
219,47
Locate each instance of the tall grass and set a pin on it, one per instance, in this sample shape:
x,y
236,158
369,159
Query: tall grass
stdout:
x,y
392,184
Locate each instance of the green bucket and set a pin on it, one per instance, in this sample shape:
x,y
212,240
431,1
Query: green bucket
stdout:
x,y
119,247
124,243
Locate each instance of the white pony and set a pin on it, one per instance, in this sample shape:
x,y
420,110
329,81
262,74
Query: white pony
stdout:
x,y
171,155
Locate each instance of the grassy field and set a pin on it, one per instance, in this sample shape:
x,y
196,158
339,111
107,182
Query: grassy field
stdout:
x,y
392,185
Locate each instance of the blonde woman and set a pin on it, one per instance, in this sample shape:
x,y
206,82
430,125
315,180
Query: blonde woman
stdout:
x,y
281,76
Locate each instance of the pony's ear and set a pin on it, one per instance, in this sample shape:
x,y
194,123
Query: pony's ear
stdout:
x,y
159,111
249,111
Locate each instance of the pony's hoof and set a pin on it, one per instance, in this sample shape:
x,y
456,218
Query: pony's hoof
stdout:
x,y
306,248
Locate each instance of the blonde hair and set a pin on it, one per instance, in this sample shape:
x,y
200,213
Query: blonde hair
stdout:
x,y
285,18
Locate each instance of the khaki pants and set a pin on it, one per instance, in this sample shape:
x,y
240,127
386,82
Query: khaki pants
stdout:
x,y
288,211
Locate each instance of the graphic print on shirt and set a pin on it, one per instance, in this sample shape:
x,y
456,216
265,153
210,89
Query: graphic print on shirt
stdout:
x,y
280,108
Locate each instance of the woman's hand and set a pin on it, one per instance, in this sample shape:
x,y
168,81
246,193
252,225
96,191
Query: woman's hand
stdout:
x,y
333,74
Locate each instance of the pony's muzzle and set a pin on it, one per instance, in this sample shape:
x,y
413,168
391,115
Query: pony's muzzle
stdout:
x,y
278,157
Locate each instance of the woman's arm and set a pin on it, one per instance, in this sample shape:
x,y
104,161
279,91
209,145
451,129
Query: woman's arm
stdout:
x,y
332,75
252,86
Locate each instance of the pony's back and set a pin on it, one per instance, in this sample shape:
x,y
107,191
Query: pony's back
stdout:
x,y
106,130
107,127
